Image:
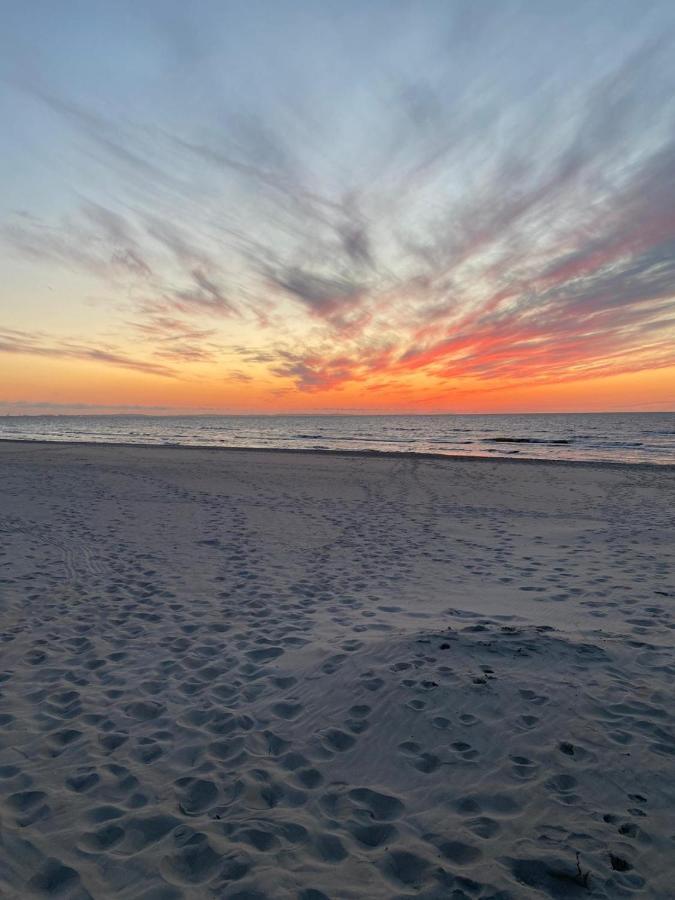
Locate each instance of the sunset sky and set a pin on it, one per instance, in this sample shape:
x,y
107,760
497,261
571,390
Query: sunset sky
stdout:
x,y
337,206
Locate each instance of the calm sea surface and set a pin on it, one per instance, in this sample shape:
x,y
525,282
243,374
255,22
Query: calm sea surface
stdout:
x,y
626,437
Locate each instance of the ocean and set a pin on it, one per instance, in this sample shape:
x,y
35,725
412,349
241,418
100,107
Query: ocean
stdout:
x,y
613,437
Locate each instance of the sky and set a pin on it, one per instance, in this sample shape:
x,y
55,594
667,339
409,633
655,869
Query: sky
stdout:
x,y
337,206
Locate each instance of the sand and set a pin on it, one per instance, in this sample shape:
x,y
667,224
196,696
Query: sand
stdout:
x,y
276,675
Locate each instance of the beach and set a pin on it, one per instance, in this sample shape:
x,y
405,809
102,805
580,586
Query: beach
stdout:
x,y
256,674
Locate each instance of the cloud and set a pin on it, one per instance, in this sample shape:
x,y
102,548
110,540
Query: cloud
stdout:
x,y
324,296
103,243
253,355
331,230
240,377
205,294
30,344
314,374
312,371
95,240
82,407
176,339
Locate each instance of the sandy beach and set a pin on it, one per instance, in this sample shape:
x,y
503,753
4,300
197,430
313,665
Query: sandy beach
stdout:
x,y
285,675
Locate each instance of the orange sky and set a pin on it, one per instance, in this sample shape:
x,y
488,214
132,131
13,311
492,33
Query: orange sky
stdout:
x,y
50,386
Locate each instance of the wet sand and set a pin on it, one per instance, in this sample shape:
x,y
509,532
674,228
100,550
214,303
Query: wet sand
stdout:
x,y
284,675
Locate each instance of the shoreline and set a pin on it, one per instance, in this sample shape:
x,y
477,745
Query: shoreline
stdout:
x,y
364,454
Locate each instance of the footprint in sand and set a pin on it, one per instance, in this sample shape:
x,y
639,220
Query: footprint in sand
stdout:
x,y
195,795
523,768
193,862
287,709
28,807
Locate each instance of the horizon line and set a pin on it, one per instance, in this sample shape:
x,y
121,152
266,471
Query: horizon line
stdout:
x,y
345,414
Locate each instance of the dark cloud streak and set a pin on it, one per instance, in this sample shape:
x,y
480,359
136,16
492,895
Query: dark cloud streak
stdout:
x,y
29,344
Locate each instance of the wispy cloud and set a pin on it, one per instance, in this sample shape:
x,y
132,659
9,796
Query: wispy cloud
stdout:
x,y
22,406
32,344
